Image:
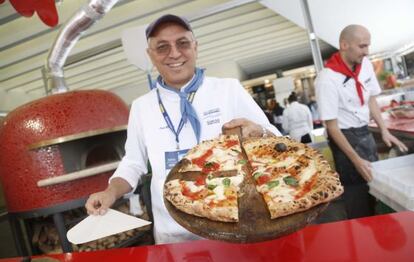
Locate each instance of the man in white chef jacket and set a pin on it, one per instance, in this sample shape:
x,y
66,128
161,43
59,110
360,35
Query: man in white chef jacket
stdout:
x,y
346,93
183,109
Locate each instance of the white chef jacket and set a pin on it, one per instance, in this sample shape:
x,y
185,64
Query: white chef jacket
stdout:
x,y
337,96
216,102
297,120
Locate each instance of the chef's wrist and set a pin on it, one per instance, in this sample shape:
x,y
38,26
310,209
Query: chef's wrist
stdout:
x,y
384,131
118,187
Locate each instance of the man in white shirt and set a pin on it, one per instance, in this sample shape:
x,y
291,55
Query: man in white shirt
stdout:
x,y
297,120
345,92
183,109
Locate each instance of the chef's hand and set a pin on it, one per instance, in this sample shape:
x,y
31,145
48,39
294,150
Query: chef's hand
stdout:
x,y
98,203
389,140
364,168
248,128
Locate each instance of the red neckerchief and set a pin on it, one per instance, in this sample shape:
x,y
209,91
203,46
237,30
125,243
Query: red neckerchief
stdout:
x,y
338,65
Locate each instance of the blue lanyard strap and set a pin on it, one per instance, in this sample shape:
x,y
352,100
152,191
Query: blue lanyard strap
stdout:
x,y
168,119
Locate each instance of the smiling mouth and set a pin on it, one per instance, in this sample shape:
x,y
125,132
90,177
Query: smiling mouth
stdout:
x,y
175,65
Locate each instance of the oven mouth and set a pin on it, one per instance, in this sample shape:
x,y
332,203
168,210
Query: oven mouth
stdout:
x,y
101,154
87,155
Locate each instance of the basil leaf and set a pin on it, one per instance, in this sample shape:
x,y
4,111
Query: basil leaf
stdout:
x,y
211,186
226,182
209,177
291,181
273,184
208,164
257,175
242,161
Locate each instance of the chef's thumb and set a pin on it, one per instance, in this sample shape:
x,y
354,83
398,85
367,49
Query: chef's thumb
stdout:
x,y
102,211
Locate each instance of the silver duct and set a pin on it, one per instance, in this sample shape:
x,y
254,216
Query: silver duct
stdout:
x,y
68,36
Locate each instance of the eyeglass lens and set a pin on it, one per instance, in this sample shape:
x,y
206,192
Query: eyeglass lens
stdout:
x,y
181,45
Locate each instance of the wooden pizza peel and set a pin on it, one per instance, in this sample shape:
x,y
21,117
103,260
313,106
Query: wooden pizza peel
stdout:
x,y
254,223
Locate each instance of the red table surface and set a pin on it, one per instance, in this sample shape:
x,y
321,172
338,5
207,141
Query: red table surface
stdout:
x,y
380,238
403,125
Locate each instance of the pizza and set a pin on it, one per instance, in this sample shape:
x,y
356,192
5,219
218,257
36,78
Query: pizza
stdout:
x,y
289,176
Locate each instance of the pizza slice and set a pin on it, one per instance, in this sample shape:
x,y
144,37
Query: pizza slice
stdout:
x,y
215,198
291,176
221,154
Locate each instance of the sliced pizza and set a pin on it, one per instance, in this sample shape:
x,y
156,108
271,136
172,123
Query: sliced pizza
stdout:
x,y
221,154
215,198
291,176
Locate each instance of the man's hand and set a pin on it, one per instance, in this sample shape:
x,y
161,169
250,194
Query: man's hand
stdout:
x,y
98,203
386,135
249,128
389,140
364,168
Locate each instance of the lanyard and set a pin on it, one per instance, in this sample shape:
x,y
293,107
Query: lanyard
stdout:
x,y
168,119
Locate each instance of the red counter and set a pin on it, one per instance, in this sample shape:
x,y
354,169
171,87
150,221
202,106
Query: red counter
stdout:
x,y
402,127
380,238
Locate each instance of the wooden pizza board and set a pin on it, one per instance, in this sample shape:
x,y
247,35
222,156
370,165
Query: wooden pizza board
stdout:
x,y
254,219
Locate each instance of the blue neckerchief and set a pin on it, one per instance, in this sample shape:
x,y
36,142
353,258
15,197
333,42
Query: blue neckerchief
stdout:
x,y
187,110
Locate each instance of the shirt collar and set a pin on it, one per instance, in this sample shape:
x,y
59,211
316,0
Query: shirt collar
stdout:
x,y
181,89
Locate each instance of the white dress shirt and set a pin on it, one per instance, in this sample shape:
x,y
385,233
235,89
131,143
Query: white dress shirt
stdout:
x,y
337,96
216,102
297,120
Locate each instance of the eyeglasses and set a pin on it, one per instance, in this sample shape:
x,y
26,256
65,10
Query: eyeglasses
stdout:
x,y
181,45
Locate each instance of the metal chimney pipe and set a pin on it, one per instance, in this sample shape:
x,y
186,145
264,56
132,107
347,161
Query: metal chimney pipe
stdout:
x,y
68,36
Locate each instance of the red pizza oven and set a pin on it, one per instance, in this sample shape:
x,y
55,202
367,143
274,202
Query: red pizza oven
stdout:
x,y
57,136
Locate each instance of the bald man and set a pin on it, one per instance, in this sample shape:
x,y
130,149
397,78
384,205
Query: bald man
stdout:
x,y
345,93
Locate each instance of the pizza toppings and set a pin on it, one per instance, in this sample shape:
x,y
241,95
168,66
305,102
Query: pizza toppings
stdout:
x,y
210,167
273,184
202,160
231,143
280,147
201,180
291,181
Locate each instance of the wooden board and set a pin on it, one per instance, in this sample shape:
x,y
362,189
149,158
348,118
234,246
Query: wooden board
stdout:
x,y
254,219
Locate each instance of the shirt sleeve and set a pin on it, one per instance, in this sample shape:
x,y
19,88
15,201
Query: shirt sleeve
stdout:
x,y
285,122
246,107
134,164
327,97
310,119
373,86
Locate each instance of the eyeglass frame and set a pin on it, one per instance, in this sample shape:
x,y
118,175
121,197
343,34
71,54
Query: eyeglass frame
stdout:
x,y
177,47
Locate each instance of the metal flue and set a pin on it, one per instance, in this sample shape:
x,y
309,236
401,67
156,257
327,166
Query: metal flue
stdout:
x,y
68,36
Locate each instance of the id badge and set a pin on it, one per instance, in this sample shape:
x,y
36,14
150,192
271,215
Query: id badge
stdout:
x,y
172,158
